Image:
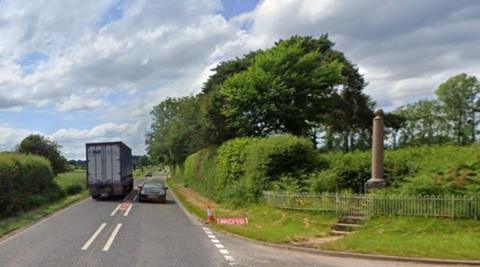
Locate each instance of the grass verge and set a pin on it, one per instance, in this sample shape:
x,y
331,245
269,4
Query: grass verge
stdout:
x,y
265,222
21,220
414,237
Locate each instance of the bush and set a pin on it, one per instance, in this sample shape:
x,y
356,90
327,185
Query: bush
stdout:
x,y
415,170
26,181
73,189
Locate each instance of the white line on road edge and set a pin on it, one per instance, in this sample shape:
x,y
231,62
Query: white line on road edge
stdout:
x,y
90,241
112,237
115,210
128,210
219,245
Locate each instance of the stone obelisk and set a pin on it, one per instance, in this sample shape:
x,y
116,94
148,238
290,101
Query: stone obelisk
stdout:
x,y
377,181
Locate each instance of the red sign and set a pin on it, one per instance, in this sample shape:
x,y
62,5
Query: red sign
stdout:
x,y
240,220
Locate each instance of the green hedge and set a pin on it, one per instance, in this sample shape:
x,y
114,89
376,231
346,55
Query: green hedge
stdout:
x,y
240,169
26,181
427,170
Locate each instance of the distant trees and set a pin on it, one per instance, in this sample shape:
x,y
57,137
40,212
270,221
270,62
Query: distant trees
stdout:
x,y
39,145
451,118
460,101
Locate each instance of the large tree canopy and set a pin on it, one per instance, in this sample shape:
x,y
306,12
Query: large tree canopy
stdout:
x,y
39,145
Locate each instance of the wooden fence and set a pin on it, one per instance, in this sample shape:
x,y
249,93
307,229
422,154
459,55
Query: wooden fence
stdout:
x,y
368,205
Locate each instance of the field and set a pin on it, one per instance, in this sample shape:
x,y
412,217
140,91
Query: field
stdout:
x,y
75,177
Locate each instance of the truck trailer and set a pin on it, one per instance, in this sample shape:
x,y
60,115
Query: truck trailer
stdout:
x,y
109,169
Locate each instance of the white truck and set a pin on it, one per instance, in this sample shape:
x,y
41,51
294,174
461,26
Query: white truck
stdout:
x,y
109,169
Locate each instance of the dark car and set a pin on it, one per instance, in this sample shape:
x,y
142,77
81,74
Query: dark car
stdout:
x,y
148,174
153,191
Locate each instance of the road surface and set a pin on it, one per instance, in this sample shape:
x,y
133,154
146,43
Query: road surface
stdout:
x,y
122,234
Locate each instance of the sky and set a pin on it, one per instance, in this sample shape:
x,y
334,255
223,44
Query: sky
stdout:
x,y
90,72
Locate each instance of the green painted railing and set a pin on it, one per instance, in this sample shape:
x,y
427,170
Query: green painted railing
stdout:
x,y
368,205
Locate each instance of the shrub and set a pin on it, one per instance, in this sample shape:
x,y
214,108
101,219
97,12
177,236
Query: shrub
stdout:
x,y
26,181
323,181
73,189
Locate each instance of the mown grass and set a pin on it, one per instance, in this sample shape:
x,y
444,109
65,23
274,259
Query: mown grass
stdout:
x,y
414,237
20,220
265,223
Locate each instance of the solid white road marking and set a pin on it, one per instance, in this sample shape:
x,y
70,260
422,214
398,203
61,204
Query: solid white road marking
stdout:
x,y
219,246
215,240
115,210
211,236
223,251
92,238
135,198
112,237
128,210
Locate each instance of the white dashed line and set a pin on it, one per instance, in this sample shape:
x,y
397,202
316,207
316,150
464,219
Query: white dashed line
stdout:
x,y
128,210
112,237
115,210
92,238
220,247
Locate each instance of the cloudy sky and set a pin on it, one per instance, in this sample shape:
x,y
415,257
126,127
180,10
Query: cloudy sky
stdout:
x,y
92,70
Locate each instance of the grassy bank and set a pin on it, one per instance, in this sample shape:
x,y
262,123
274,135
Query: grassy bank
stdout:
x,y
414,237
265,222
23,219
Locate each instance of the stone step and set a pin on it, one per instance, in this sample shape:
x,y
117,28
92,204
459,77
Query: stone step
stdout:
x,y
347,227
339,233
352,219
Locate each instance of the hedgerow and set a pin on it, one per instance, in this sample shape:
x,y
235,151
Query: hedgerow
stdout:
x,y
26,181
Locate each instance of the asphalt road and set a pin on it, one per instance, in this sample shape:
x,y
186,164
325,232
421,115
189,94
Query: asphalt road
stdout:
x,y
109,233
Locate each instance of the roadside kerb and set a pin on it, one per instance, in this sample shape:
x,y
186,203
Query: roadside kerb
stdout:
x,y
329,252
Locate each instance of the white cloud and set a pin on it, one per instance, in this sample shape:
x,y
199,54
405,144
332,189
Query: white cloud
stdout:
x,y
75,103
10,137
157,49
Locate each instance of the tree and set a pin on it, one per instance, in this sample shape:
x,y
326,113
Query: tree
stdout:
x,y
423,124
176,131
39,145
459,97
287,89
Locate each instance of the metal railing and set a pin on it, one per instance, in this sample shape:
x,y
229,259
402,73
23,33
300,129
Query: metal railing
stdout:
x,y
368,205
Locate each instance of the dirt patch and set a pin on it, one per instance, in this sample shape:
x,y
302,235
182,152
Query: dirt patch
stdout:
x,y
315,242
201,201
